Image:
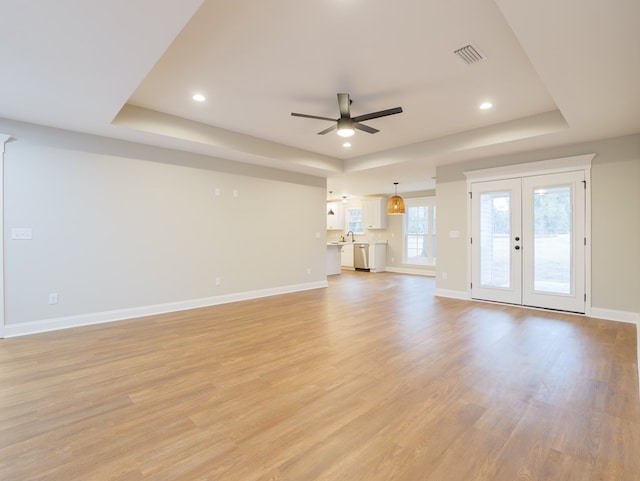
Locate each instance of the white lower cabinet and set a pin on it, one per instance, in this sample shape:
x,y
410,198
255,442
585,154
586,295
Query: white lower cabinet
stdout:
x,y
377,257
346,256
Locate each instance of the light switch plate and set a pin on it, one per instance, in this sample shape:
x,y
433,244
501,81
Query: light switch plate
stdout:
x,y
22,233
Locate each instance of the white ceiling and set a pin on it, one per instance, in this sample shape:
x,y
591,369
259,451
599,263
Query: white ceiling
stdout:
x,y
557,72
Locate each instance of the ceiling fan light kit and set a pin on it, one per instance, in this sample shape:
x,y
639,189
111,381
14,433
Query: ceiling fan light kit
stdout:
x,y
345,128
395,204
347,125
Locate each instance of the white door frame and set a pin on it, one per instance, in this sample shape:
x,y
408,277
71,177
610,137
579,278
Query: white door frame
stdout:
x,y
551,166
3,140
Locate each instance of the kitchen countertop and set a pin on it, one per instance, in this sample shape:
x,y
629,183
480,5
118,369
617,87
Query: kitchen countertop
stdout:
x,y
336,243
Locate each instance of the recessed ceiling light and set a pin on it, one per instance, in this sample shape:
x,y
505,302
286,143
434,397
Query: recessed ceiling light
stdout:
x,y
199,98
346,144
485,105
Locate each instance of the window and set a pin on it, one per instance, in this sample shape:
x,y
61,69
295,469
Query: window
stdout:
x,y
354,221
420,231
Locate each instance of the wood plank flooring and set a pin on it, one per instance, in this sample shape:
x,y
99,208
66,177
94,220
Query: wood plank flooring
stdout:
x,y
371,379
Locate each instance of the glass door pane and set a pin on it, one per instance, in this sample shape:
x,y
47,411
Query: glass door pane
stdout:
x,y
552,228
495,232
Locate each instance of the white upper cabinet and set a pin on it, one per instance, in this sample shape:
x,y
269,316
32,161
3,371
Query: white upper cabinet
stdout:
x,y
374,212
335,221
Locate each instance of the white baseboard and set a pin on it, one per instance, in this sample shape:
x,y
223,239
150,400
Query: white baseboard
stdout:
x,y
452,294
613,315
408,270
46,325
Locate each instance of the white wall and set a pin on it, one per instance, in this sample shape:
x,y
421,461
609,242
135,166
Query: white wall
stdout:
x,y
615,197
122,229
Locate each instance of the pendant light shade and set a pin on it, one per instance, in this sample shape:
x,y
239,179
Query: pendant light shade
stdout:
x,y
331,212
395,205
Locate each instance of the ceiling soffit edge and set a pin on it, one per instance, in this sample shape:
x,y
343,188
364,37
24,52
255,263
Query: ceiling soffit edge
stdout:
x,y
159,123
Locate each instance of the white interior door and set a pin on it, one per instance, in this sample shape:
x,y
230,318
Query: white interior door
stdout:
x,y
528,241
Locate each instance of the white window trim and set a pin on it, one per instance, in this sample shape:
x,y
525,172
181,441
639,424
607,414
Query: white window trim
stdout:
x,y
347,218
414,202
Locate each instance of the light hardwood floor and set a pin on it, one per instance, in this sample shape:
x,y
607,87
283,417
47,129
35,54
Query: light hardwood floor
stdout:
x,y
371,379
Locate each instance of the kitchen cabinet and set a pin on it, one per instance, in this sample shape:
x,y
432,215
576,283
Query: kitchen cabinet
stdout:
x,y
334,252
377,260
335,221
346,256
377,256
374,213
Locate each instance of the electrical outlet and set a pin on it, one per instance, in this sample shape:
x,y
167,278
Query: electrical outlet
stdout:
x,y
235,193
309,270
444,276
218,281
53,298
218,192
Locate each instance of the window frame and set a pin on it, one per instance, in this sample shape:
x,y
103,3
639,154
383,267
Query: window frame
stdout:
x,y
430,236
347,220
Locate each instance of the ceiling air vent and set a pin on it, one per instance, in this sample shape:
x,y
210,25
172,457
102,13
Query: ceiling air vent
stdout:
x,y
469,54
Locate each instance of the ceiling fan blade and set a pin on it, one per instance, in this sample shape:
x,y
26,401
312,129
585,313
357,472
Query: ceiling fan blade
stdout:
x,y
312,117
375,115
365,128
326,131
344,104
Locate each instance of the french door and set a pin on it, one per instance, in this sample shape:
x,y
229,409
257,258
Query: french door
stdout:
x,y
528,241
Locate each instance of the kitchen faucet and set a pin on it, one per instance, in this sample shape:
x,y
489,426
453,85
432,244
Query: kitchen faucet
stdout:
x,y
351,232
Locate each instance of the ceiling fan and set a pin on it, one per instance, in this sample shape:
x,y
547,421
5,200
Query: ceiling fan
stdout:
x,y
346,124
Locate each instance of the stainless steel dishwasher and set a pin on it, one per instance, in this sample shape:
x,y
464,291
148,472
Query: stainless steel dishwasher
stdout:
x,y
361,257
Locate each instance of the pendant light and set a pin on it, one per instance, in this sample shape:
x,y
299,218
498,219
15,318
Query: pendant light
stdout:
x,y
395,205
331,212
